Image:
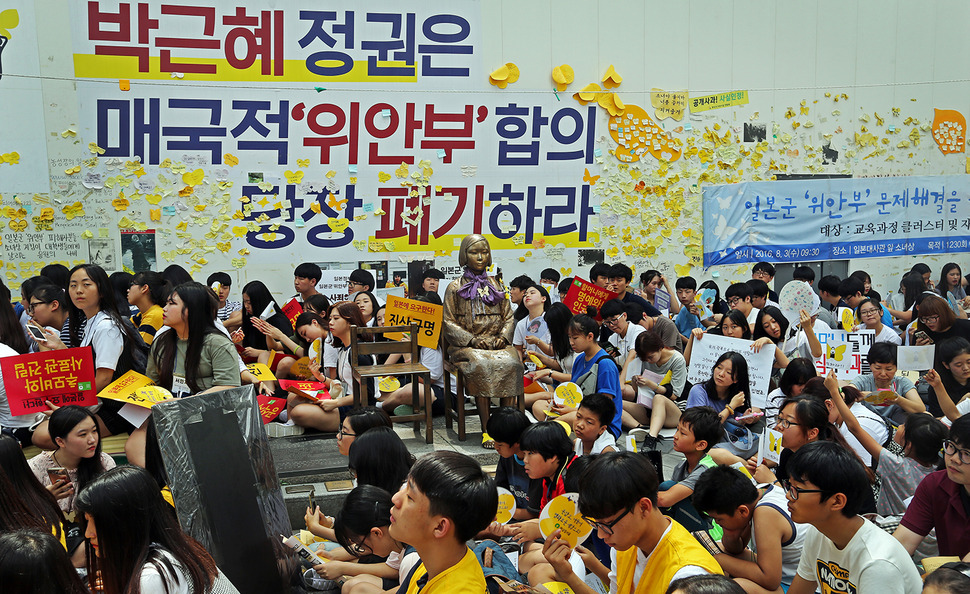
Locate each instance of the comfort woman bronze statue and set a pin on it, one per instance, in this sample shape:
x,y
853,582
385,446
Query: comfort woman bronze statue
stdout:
x,y
478,327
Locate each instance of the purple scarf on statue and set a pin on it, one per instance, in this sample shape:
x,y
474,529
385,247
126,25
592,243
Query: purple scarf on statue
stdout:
x,y
478,285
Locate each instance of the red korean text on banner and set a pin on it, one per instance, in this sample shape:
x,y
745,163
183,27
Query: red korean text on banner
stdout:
x,y
269,407
61,377
583,293
292,310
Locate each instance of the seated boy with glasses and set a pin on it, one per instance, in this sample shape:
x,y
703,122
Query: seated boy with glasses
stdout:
x,y
942,499
843,551
618,497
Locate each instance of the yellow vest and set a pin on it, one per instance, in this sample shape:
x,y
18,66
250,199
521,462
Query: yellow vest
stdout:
x,y
465,577
675,551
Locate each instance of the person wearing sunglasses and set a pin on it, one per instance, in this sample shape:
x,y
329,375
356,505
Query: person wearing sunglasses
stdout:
x,y
826,488
618,498
940,500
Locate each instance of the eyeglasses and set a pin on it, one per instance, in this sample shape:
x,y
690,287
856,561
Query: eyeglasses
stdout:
x,y
341,433
869,312
929,319
613,321
359,549
732,300
951,449
33,304
793,492
352,284
783,423
607,527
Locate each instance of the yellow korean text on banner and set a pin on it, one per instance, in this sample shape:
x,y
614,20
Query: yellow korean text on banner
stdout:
x,y
401,312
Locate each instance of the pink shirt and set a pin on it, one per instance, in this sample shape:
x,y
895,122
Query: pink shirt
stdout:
x,y
45,460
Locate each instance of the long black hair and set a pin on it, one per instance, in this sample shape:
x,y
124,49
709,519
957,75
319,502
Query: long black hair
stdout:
x,y
11,332
197,307
775,313
158,287
365,508
107,304
367,417
739,369
738,319
62,422
34,562
558,317
380,458
130,516
259,299
16,473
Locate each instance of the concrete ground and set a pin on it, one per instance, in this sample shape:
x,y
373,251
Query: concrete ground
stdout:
x,y
311,461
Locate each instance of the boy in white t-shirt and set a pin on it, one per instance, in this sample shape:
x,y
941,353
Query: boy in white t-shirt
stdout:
x,y
623,338
843,552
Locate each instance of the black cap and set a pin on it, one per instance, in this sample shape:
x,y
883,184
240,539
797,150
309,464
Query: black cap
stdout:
x,y
432,273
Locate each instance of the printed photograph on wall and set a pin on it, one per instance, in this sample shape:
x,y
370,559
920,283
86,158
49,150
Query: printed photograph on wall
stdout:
x,y
589,257
138,250
101,251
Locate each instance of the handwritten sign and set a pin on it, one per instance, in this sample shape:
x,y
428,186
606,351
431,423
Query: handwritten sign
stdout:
x,y
668,104
401,312
334,284
561,514
269,407
292,310
582,294
506,506
62,377
859,343
707,350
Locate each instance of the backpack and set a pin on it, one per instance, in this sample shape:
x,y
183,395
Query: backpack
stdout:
x,y
134,354
587,382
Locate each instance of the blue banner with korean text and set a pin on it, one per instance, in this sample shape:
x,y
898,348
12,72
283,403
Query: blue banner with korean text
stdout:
x,y
823,219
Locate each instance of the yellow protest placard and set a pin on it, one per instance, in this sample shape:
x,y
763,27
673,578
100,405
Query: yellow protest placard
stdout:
x,y
261,372
125,386
506,506
718,101
561,514
568,394
401,312
558,588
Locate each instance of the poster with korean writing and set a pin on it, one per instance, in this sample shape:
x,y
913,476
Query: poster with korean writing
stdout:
x,y
60,377
704,355
583,294
849,357
427,316
835,219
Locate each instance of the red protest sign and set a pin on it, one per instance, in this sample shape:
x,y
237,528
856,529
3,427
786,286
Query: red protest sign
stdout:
x,y
292,310
583,293
307,389
269,407
63,377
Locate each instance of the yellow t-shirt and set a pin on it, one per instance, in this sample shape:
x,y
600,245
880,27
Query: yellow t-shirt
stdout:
x,y
465,577
148,322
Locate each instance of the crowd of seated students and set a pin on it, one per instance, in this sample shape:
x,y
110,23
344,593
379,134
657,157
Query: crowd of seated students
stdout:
x,y
850,471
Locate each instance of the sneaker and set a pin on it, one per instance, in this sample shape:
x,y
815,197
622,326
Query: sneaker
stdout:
x,y
313,581
650,443
286,429
639,434
403,410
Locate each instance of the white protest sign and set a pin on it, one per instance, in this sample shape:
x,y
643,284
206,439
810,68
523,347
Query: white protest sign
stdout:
x,y
382,294
707,350
333,284
860,342
769,447
915,358
838,355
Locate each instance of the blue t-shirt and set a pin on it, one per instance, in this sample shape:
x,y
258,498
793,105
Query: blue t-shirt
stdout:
x,y
687,321
607,382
